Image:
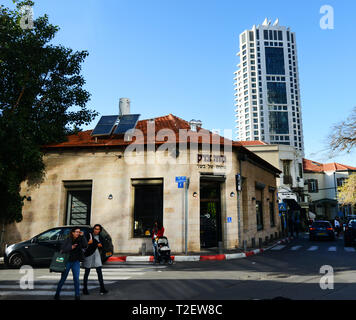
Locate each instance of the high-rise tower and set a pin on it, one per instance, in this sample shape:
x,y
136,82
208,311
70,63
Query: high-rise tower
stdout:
x,y
267,88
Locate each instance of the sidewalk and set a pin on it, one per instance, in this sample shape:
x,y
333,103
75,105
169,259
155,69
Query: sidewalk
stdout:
x,y
208,255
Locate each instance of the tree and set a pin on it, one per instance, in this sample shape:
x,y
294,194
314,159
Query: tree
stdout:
x,y
343,136
347,192
42,100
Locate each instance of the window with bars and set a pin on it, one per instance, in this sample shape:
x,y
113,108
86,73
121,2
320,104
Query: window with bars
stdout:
x,y
78,207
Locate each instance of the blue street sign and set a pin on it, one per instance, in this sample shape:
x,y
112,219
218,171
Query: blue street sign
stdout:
x,y
229,219
282,206
181,179
181,185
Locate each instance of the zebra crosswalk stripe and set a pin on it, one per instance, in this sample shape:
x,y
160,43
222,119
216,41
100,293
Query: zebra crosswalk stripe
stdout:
x,y
279,247
45,285
349,249
295,248
313,248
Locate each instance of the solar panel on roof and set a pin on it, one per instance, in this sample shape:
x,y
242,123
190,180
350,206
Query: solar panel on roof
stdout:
x,y
105,126
127,122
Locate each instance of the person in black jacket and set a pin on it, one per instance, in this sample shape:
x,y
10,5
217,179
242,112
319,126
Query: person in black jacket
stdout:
x,y
74,245
93,259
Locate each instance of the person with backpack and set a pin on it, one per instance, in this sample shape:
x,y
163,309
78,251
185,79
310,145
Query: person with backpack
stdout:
x,y
74,245
93,259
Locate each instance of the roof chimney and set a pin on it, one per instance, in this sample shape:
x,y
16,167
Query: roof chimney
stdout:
x,y
124,106
195,125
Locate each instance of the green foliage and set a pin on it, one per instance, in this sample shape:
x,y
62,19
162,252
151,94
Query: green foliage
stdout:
x,y
40,85
347,192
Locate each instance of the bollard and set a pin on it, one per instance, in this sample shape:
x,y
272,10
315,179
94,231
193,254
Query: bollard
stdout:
x,y
143,250
275,235
253,243
260,243
220,244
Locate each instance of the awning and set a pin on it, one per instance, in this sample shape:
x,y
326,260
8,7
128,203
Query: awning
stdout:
x,y
293,205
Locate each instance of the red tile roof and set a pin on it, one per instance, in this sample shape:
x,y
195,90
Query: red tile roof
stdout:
x,y
171,122
313,166
252,143
84,139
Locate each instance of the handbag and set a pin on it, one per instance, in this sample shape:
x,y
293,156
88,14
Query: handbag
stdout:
x,y
59,262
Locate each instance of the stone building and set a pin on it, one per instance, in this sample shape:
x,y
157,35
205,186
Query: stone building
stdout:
x,y
322,181
166,169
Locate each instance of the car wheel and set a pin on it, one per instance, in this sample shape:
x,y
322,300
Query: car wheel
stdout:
x,y
170,261
16,260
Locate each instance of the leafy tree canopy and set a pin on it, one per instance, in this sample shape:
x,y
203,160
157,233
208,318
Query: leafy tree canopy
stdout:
x,y
42,100
347,192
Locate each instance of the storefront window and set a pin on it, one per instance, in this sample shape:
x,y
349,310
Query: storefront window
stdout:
x,y
148,206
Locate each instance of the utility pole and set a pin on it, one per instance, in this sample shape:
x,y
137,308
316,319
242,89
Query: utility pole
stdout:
x,y
186,215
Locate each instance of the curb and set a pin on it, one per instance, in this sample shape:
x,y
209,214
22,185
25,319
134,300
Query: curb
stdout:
x,y
217,257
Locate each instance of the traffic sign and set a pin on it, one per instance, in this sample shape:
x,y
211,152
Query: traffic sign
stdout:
x,y
181,179
282,206
180,184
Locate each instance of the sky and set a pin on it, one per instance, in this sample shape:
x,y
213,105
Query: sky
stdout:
x,y
179,57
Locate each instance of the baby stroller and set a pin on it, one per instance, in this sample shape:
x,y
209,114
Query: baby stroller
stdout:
x,y
163,251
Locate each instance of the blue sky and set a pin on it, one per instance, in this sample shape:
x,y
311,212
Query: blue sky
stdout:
x,y
179,57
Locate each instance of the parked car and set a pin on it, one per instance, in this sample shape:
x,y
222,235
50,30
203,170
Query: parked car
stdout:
x,y
40,249
321,229
350,233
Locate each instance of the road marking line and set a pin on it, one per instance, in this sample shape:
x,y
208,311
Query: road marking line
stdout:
x,y
313,248
58,277
332,249
295,248
34,293
279,247
348,249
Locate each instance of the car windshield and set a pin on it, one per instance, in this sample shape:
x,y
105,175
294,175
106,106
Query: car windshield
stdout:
x,y
321,224
51,235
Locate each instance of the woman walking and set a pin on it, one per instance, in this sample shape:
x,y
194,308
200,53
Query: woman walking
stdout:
x,y
74,245
93,259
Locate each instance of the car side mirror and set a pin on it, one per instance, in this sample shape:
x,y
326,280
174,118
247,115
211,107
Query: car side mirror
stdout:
x,y
34,240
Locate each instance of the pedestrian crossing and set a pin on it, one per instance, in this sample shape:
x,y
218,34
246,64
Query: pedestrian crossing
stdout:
x,y
312,248
45,284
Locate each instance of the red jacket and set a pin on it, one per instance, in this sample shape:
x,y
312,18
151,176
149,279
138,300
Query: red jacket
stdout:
x,y
159,233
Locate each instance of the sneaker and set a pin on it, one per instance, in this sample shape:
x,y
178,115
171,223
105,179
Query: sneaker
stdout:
x,y
85,291
56,297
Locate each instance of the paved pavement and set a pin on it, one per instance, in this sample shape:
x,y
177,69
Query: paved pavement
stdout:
x,y
291,270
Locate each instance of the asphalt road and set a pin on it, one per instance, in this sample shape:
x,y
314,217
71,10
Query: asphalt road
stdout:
x,y
300,270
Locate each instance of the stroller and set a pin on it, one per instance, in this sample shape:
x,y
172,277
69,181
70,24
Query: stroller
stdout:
x,y
163,251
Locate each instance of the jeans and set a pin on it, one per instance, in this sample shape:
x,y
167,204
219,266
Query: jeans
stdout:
x,y
154,244
100,278
75,266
